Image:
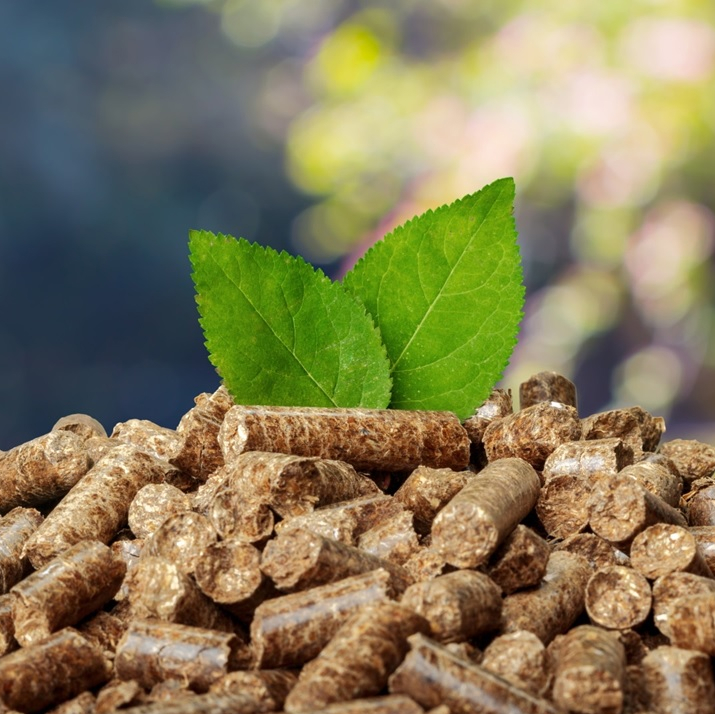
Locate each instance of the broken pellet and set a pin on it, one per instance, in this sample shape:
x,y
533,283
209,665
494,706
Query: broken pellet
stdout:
x,y
476,521
425,564
267,687
497,405
553,606
130,552
393,540
236,513
588,459
458,606
431,675
547,387
229,573
693,459
181,539
520,561
667,589
563,505
15,529
615,423
288,631
152,651
153,504
426,491
618,597
104,630
358,659
598,552
42,470
620,508
520,658
97,506
678,680
590,671
298,559
71,586
148,436
664,548
533,433
658,480
49,672
368,439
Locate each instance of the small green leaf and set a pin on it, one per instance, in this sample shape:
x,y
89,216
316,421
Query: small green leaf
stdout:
x,y
446,292
280,332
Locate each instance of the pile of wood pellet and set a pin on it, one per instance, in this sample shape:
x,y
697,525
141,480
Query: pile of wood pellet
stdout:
x,y
353,561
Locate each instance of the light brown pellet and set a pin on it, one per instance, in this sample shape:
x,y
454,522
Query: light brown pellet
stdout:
x,y
431,675
153,504
42,470
358,659
368,439
130,552
15,529
298,559
563,505
425,564
68,664
533,433
151,652
588,459
288,631
552,607
590,671
667,589
664,548
693,459
81,704
147,436
547,387
520,658
658,480
520,561
97,506
598,552
458,606
83,425
393,540
678,680
618,597
469,529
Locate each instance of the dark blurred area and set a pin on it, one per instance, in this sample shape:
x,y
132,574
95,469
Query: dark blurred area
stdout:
x,y
317,127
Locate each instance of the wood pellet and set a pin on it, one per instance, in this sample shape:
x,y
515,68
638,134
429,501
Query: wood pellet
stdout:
x,y
299,560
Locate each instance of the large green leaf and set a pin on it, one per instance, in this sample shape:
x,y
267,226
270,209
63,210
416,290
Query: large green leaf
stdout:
x,y
446,292
280,332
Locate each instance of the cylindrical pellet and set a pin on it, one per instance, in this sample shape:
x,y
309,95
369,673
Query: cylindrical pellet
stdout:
x,y
590,671
497,405
588,459
49,672
147,436
288,631
212,702
15,529
658,480
153,504
691,622
83,425
104,630
563,505
664,548
368,439
668,589
520,561
267,687
298,559
7,625
83,703
97,506
533,433
705,536
458,605
547,387
431,675
152,651
236,513
520,658
476,521
598,552
699,503
358,659
678,681
693,459
615,424
618,597
393,540
391,704
71,586
552,607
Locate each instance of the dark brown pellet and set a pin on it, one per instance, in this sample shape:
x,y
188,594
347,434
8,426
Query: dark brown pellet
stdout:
x,y
153,504
620,508
469,529
358,659
588,459
71,586
288,631
598,552
652,428
699,502
97,506
42,470
693,459
616,423
590,671
552,607
49,672
563,505
532,434
664,548
520,561
458,606
678,680
496,406
431,675
7,625
618,597
520,658
15,529
426,491
299,559
547,387
368,439
393,540
667,589
152,651
267,687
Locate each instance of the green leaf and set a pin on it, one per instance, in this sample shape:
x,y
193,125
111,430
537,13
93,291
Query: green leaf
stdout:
x,y
280,332
445,290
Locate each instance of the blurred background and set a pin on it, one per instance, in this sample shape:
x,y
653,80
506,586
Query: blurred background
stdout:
x,y
315,127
